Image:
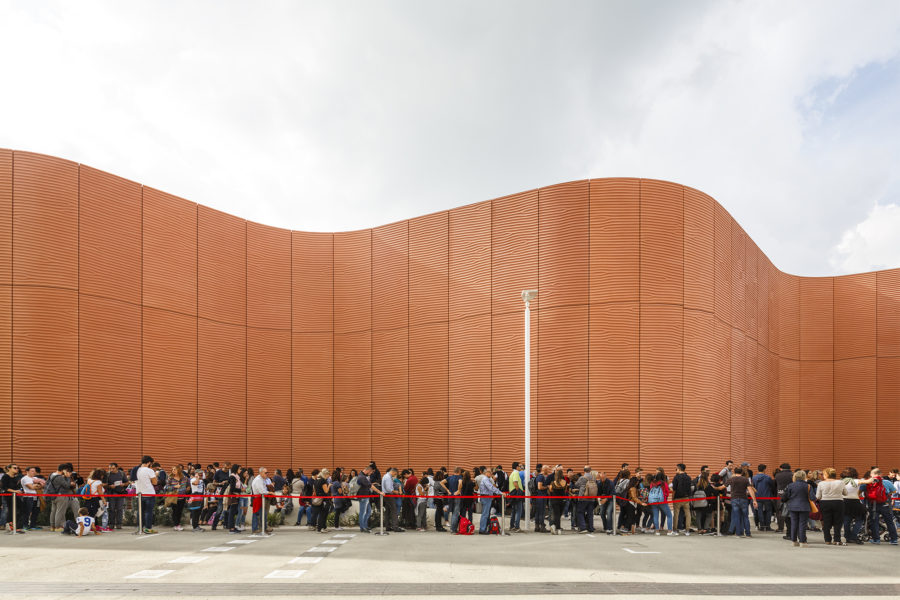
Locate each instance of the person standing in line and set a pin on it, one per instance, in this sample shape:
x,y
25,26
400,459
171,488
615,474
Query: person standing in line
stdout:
x,y
144,485
854,513
195,504
830,494
61,483
682,489
422,505
115,483
740,487
783,478
541,488
487,490
765,488
558,492
230,497
516,493
177,485
878,494
727,471
440,494
798,496
32,485
389,492
605,488
364,488
339,485
586,489
453,482
259,489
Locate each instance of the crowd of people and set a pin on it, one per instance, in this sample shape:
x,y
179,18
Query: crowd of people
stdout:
x,y
845,507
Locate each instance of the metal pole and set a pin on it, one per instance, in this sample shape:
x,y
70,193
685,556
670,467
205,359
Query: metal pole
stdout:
x,y
140,522
527,296
502,515
614,527
718,515
381,514
15,522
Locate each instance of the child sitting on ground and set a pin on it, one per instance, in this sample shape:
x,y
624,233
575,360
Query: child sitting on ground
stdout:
x,y
82,526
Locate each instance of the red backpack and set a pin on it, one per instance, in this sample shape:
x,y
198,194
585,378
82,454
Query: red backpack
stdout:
x,y
875,492
495,526
465,526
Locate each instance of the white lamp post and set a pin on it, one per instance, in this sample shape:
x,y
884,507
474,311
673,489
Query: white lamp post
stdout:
x,y
528,296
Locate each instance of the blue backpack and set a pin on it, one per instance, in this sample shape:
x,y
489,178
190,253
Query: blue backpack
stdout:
x,y
656,494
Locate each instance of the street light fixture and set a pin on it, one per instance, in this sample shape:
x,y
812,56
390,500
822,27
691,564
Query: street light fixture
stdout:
x,y
527,297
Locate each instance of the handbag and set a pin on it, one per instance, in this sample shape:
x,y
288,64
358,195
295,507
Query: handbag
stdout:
x,y
317,500
814,513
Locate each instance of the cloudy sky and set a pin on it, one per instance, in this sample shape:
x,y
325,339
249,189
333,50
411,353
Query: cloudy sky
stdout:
x,y
343,115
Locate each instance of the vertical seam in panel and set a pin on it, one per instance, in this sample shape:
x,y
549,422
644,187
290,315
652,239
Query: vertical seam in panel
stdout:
x,y
333,269
78,320
877,454
141,415
640,305
246,347
449,422
291,342
682,323
371,337
832,371
12,294
535,406
408,455
491,340
588,391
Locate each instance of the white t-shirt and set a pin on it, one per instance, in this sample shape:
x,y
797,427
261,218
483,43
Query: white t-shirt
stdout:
x,y
87,522
145,476
26,481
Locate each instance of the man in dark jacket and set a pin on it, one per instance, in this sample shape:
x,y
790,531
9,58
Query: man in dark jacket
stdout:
x,y
682,489
783,478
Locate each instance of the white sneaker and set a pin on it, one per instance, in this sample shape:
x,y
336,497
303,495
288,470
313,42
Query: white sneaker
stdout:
x,y
657,533
687,533
672,533
553,529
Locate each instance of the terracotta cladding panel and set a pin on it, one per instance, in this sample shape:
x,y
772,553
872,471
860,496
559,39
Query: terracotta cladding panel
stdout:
x,y
772,402
762,301
789,316
428,394
313,281
268,397
514,251
817,412
754,413
888,303
789,411
751,288
854,412
816,318
390,397
313,401
854,316
221,266
508,385
615,244
390,276
564,241
662,242
699,251
661,384
563,384
45,221
722,262
352,281
109,244
701,405
169,407
722,381
109,378
738,276
6,373
470,390
170,252
6,187
428,264
738,393
887,412
774,336
268,277
45,371
614,384
352,397
222,392
470,260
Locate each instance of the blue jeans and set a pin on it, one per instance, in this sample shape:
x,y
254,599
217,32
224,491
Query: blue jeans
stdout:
x,y
666,512
485,514
764,518
606,514
515,517
740,518
882,510
147,504
539,507
365,511
454,516
585,512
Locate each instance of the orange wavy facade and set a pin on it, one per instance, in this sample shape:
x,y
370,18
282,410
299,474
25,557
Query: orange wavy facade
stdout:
x,y
133,321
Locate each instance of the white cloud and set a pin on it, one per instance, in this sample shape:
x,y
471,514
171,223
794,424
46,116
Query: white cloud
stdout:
x,y
874,243
325,116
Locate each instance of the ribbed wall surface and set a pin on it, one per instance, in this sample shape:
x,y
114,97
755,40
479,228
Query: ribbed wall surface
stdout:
x,y
661,333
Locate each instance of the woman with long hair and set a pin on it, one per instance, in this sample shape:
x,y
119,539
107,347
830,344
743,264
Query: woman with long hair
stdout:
x,y
704,510
441,491
659,501
467,490
177,484
854,513
321,501
558,492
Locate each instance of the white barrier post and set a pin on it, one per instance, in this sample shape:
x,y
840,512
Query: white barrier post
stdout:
x,y
15,522
503,515
718,515
140,512
615,528
381,515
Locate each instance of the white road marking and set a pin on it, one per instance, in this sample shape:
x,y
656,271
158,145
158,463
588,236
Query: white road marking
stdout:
x,y
242,541
284,574
345,535
638,551
218,549
321,549
305,560
150,574
590,535
338,542
149,535
194,558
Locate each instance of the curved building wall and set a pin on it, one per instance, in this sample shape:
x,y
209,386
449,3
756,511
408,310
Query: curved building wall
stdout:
x,y
133,321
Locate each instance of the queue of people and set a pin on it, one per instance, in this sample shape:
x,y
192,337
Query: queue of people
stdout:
x,y
847,508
